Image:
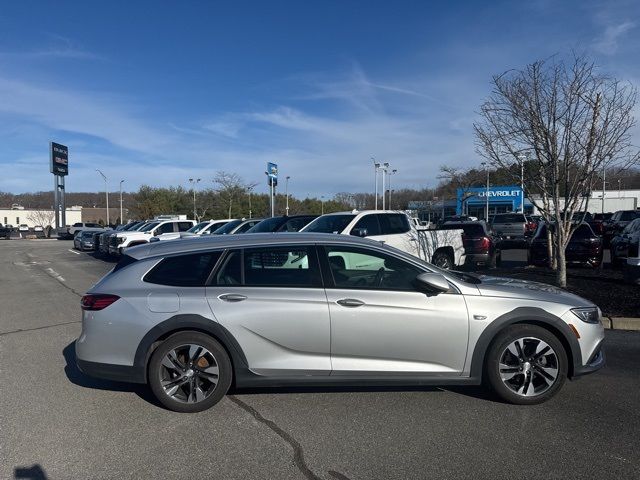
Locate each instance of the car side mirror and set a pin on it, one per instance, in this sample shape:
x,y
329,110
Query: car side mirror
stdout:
x,y
359,232
432,282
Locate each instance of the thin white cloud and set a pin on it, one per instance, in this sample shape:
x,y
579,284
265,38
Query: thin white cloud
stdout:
x,y
608,42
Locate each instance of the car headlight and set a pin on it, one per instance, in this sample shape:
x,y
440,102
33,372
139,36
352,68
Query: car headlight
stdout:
x,y
588,314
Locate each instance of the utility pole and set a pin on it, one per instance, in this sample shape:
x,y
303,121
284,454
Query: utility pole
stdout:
x,y
321,204
486,194
384,169
106,192
604,184
376,166
286,193
193,183
121,219
392,172
250,189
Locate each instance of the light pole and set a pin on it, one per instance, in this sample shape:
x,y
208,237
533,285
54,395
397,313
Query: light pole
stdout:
x,y
286,193
250,189
376,166
194,182
384,168
618,188
321,204
604,184
486,194
271,191
392,172
106,192
121,219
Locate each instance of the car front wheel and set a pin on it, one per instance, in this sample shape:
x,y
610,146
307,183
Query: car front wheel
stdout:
x,y
526,365
442,260
189,372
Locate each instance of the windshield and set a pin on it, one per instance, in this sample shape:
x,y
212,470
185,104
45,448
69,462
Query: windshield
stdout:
x,y
199,226
265,226
329,224
628,216
149,226
226,229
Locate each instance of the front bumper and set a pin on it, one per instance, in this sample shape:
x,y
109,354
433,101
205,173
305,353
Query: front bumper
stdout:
x,y
595,362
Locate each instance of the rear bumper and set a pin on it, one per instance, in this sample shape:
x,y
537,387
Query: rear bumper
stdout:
x,y
106,371
475,258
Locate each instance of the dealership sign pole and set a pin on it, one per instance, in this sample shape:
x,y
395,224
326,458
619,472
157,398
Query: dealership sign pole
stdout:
x,y
59,166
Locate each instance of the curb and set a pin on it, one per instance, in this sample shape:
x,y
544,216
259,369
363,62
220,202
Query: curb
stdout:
x,y
621,323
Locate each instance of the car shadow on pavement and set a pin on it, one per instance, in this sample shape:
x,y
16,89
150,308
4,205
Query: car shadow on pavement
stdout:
x,y
76,377
35,472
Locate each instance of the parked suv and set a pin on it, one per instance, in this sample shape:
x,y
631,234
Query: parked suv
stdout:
x,y
123,240
584,247
511,226
480,245
625,244
189,318
203,228
84,226
617,222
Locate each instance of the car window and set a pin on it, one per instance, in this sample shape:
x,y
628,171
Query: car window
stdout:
x,y
197,227
357,268
184,226
280,267
628,216
330,223
246,226
184,270
295,224
77,224
212,228
583,231
370,223
391,224
164,228
509,218
267,225
228,227
230,272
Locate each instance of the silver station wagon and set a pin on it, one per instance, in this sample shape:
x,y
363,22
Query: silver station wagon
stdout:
x,y
191,318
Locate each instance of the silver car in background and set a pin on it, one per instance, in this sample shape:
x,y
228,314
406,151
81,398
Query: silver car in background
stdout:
x,y
189,317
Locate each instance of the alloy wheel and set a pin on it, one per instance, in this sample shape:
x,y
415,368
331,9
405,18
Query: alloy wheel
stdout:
x,y
189,373
528,366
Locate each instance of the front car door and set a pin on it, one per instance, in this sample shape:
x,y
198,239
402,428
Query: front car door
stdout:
x,y
272,301
381,324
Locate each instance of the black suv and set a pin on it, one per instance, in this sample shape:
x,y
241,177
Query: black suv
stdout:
x,y
480,245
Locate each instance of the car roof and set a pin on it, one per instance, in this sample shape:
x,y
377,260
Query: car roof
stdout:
x,y
242,241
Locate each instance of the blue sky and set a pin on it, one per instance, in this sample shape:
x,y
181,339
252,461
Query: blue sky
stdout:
x,y
158,92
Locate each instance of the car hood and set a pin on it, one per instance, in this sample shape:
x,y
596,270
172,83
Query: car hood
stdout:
x,y
133,234
514,288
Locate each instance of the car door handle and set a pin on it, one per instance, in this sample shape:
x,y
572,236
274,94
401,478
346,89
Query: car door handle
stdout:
x,y
232,297
350,302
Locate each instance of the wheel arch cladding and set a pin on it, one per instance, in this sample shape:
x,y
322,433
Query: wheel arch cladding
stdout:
x,y
191,323
529,316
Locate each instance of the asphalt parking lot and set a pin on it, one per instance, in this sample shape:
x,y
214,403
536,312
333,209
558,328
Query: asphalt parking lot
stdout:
x,y
57,423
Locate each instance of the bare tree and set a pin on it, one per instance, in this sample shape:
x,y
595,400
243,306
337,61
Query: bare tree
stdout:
x,y
44,218
567,120
231,188
465,180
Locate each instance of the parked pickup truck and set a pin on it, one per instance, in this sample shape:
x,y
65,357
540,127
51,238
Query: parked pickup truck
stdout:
x,y
512,226
443,248
124,239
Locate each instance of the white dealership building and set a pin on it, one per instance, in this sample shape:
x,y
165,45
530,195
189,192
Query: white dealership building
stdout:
x,y
18,215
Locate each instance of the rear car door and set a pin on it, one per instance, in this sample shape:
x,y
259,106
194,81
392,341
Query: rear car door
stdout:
x,y
272,301
380,323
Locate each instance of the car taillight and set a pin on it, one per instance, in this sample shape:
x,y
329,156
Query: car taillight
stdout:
x,y
485,243
97,302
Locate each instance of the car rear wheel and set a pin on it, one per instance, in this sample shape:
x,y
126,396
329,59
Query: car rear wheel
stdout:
x,y
526,365
442,260
189,372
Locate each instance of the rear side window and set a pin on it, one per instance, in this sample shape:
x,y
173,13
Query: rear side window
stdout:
x,y
393,224
184,270
246,227
164,228
270,267
184,226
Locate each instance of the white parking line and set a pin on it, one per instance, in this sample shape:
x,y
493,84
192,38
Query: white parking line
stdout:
x,y
54,274
73,251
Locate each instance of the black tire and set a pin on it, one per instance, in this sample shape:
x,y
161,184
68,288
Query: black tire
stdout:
x,y
506,389
442,260
156,371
